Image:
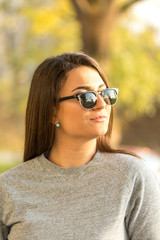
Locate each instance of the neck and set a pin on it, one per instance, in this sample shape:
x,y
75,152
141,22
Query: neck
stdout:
x,y
69,154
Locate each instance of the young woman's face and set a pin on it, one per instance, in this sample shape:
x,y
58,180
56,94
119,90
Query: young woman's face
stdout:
x,y
75,121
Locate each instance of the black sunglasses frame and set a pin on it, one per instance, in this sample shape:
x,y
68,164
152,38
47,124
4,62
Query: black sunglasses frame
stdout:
x,y
78,96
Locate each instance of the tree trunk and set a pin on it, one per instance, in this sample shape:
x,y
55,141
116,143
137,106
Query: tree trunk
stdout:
x,y
97,20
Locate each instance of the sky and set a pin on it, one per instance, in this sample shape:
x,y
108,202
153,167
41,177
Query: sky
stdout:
x,y
147,12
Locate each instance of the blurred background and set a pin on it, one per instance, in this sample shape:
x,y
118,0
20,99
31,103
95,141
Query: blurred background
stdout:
x,y
123,36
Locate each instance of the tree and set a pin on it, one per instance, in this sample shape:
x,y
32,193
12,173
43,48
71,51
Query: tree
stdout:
x,y
97,19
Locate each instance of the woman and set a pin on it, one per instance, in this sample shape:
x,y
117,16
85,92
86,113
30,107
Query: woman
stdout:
x,y
72,184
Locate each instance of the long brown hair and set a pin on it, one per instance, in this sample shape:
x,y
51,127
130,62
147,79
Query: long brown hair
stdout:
x,y
42,105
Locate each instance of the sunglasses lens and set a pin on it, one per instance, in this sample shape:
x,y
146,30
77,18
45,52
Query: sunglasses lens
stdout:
x,y
110,96
88,100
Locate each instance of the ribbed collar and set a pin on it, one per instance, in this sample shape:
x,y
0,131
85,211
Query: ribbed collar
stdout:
x,y
48,165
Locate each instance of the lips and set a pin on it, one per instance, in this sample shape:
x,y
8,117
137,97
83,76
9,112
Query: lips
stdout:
x,y
100,118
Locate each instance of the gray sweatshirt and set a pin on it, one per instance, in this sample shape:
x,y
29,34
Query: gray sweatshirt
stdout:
x,y
109,198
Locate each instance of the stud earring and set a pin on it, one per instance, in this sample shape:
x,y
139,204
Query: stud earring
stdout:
x,y
57,125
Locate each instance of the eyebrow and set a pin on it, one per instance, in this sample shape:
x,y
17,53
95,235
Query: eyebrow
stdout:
x,y
87,87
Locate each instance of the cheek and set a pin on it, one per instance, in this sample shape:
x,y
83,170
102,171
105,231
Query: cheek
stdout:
x,y
71,115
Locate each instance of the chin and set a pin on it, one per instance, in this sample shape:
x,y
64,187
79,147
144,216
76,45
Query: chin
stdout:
x,y
99,132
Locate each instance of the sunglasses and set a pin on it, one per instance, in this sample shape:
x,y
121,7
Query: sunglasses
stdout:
x,y
88,99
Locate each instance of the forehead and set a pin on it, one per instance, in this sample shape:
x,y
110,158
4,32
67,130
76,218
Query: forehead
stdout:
x,y
82,76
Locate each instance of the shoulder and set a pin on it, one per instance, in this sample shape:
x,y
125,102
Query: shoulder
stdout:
x,y
123,161
133,168
21,172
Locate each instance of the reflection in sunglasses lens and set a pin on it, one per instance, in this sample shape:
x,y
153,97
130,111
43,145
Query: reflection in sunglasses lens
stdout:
x,y
110,96
88,100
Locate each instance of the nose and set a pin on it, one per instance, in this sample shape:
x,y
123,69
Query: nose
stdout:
x,y
100,102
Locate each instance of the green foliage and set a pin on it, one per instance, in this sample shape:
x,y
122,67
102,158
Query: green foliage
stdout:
x,y
52,28
134,68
